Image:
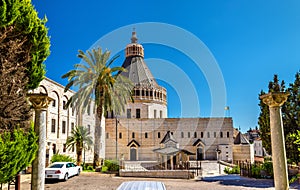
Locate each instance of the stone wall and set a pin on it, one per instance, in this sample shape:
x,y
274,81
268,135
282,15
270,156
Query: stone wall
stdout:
x,y
175,174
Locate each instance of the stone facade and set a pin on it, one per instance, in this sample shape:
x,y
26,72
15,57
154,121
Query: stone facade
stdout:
x,y
61,121
135,139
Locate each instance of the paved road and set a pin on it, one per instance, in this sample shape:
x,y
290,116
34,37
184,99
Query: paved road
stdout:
x,y
97,181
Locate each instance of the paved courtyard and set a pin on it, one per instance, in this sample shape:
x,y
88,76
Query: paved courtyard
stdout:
x,y
97,181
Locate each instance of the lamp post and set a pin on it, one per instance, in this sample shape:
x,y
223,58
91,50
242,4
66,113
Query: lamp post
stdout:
x,y
218,158
40,104
275,100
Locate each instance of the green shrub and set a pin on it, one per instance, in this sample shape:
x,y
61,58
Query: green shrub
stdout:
x,y
61,158
255,171
104,169
112,165
234,170
17,151
268,167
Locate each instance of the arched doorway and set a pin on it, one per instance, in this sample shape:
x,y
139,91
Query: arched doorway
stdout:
x,y
200,153
133,153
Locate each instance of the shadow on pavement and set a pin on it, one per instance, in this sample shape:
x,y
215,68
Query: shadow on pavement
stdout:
x,y
237,180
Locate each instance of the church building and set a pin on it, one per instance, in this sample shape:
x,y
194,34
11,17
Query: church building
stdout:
x,y
144,133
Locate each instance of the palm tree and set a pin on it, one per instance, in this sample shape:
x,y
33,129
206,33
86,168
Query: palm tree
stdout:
x,y
96,80
79,138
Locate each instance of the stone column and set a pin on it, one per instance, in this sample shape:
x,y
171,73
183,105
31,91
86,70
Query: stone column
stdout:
x,y
275,100
40,103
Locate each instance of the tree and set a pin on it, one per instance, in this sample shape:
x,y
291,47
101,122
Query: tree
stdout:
x,y
290,116
17,151
81,139
24,45
95,79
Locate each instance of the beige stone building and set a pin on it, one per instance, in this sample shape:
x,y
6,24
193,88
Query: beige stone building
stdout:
x,y
60,121
138,134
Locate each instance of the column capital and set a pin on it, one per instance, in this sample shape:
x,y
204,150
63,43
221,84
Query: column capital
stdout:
x,y
40,100
275,99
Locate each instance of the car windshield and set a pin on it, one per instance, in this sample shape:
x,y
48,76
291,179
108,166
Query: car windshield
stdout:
x,y
56,166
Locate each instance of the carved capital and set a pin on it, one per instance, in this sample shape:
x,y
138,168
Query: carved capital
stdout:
x,y
275,99
39,101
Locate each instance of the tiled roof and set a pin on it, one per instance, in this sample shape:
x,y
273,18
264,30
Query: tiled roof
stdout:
x,y
241,139
138,72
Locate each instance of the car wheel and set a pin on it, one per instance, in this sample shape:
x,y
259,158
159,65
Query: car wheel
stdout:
x,y
66,177
78,172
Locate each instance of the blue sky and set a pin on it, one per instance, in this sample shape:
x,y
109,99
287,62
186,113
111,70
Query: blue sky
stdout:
x,y
250,41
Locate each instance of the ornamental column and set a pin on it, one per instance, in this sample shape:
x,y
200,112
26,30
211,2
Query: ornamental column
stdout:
x,y
40,104
275,100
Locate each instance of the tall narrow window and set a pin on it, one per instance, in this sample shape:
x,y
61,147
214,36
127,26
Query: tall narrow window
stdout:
x,y
64,105
53,126
133,135
146,135
227,134
221,134
195,134
64,147
128,113
89,128
160,114
63,127
208,135
107,135
182,135
138,113
158,135
89,109
53,103
189,134
215,134
120,135
154,113
72,126
201,134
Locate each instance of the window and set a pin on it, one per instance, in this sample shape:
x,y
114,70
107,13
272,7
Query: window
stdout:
x,y
133,135
53,103
146,135
53,126
189,134
89,109
73,111
107,135
208,135
182,135
227,134
195,134
63,127
138,113
120,135
64,147
89,128
158,135
201,134
72,126
64,105
221,134
154,113
215,134
128,113
160,114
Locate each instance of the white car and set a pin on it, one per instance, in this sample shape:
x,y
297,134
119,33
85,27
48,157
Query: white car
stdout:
x,y
61,170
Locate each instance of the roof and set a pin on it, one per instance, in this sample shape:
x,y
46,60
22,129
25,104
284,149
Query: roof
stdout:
x,y
240,139
196,143
133,142
171,150
168,137
138,72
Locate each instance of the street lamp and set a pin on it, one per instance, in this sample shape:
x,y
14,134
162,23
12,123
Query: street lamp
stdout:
x,y
218,151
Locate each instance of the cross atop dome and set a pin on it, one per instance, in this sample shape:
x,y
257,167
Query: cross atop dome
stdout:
x,y
134,39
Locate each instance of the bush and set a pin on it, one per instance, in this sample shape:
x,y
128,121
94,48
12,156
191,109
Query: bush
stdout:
x,y
234,170
17,151
256,171
61,158
268,167
112,165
